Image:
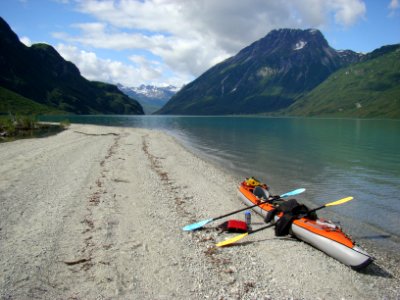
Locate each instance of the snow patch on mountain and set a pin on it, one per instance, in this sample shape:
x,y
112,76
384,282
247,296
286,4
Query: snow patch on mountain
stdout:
x,y
300,45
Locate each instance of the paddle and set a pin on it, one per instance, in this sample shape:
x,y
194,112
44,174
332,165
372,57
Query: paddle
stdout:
x,y
200,224
240,236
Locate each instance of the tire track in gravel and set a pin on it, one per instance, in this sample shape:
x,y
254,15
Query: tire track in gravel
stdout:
x,y
42,195
207,238
179,193
95,199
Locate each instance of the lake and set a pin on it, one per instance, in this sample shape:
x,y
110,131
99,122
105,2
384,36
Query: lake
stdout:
x,y
331,158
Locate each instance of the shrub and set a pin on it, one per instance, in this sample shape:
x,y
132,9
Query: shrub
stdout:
x,y
65,124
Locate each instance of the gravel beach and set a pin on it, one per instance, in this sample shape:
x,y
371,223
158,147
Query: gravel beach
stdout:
x,y
96,213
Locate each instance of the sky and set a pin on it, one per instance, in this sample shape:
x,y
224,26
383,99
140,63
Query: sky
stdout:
x,y
172,42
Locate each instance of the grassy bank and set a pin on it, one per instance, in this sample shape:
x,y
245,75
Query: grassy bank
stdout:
x,y
16,127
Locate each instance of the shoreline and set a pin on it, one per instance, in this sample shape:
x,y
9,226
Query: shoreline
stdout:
x,y
97,211
384,248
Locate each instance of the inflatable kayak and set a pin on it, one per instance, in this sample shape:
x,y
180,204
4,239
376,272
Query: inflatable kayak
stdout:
x,y
322,234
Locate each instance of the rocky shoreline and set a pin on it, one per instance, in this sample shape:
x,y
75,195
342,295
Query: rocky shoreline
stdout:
x,y
97,212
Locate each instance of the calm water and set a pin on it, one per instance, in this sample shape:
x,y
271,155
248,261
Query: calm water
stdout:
x,y
331,158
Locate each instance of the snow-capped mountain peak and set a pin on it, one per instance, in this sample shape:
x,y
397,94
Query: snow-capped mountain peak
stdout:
x,y
150,96
155,91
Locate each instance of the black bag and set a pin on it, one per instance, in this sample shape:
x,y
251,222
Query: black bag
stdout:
x,y
291,210
282,226
270,215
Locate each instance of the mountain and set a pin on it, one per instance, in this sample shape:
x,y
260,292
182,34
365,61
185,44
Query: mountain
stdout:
x,y
40,74
150,97
370,88
266,76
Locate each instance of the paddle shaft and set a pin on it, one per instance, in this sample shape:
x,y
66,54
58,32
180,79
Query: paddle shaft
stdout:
x,y
272,224
338,202
270,199
242,209
262,228
315,209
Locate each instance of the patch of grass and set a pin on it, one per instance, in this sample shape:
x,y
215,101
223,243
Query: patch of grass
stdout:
x,y
17,127
65,123
11,123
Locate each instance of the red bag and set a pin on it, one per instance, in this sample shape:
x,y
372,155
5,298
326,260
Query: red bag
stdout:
x,y
234,226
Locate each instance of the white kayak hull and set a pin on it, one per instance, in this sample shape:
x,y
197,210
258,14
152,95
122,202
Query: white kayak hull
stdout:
x,y
354,257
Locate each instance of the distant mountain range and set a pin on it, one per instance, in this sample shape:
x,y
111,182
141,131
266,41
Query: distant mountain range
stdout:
x,y
39,75
283,73
151,97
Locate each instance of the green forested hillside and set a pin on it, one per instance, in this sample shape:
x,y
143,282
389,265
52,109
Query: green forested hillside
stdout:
x,y
367,89
39,73
12,103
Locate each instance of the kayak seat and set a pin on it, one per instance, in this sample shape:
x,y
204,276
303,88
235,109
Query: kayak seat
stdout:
x,y
261,193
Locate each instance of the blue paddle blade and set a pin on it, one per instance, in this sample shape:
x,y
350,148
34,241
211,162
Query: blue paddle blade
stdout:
x,y
293,193
197,225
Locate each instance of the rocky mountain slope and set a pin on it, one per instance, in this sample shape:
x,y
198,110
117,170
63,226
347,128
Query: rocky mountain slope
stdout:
x,y
264,77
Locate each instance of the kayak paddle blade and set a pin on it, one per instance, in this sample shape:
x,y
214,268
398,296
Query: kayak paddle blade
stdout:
x,y
293,193
341,201
197,225
232,240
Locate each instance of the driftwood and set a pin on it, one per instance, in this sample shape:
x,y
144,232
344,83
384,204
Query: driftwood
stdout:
x,y
76,262
97,134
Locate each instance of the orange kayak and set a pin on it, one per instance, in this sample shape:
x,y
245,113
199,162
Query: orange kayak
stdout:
x,y
320,233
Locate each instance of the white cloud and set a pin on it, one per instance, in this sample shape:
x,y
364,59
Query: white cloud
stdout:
x,y
393,7
394,4
95,68
25,40
191,36
347,12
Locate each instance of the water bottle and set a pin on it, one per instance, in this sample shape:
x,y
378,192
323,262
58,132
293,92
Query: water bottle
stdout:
x,y
247,216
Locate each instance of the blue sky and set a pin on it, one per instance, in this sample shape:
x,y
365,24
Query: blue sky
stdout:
x,y
173,41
